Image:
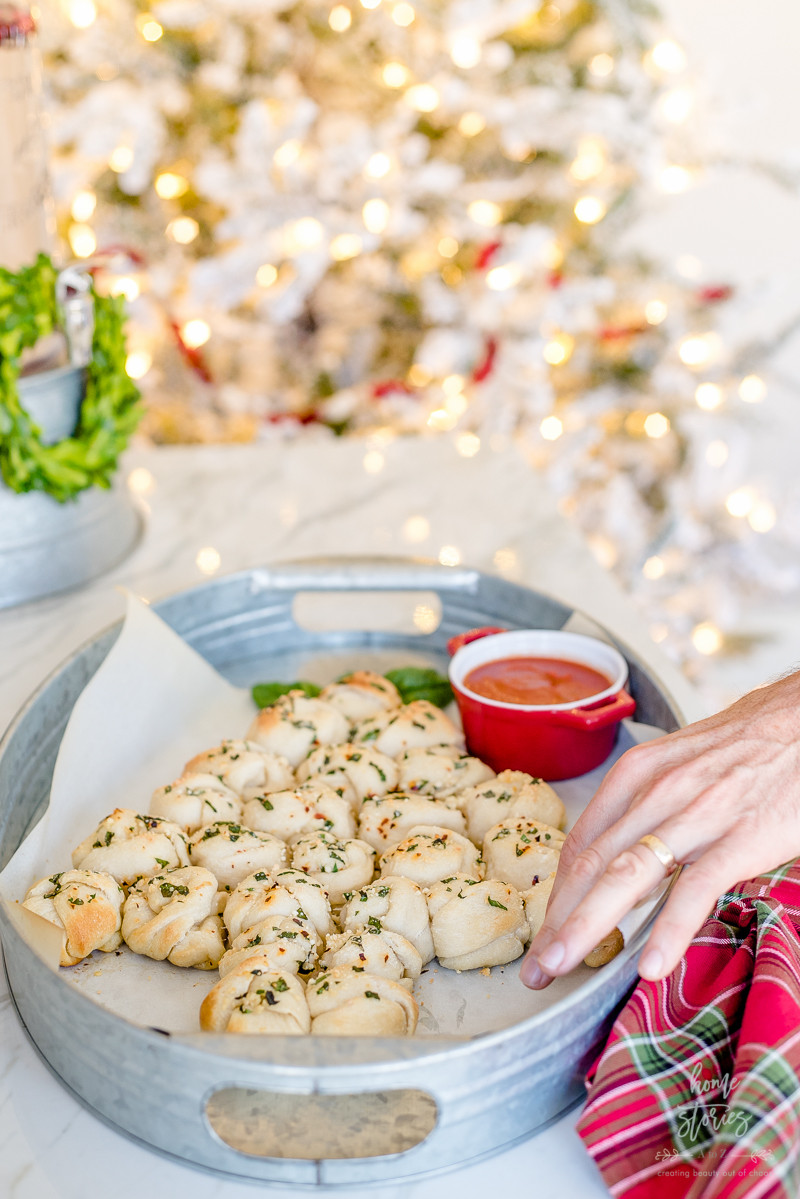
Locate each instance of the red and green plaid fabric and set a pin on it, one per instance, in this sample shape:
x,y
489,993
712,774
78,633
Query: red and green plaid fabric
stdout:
x,y
697,1092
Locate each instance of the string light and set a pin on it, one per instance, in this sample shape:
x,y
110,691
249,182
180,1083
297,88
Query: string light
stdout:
x,y
195,333
138,363
340,18
346,245
121,159
655,312
471,124
423,97
590,209
141,481
149,27
468,444
83,205
456,404
449,555
741,502
375,214
708,396
370,3
82,240
706,638
590,160
601,65
379,165
394,74
419,375
697,351
183,230
453,385
441,420
82,13
654,568
465,52
403,14
668,56
506,560
170,186
752,389
373,462
416,529
501,278
448,247
485,212
558,349
125,286
287,153
762,517
676,105
425,619
551,428
208,560
266,275
674,179
656,425
304,234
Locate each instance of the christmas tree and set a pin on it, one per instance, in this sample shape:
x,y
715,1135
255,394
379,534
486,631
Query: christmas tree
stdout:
x,y
382,216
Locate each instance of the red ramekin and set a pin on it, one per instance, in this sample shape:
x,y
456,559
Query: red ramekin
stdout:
x,y
555,741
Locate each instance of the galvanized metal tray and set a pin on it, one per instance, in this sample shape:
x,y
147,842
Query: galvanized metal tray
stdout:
x,y
309,1111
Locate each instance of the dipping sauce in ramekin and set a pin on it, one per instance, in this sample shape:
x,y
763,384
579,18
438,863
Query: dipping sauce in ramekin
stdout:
x,y
540,681
553,733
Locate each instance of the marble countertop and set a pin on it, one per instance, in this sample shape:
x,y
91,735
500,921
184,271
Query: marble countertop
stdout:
x,y
213,510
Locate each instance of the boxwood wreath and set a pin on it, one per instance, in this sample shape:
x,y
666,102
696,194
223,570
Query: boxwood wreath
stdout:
x,y
110,409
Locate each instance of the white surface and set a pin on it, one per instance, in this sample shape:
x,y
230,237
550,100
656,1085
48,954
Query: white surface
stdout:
x,y
254,505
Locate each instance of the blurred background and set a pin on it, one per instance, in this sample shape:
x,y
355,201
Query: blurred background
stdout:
x,y
567,225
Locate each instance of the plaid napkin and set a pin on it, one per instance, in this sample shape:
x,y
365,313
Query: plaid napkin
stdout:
x,y
697,1092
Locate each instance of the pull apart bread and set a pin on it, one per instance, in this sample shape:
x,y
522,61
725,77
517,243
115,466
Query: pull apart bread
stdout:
x,y
295,725
312,807
345,1002
254,997
361,695
86,905
476,924
174,916
260,859
129,846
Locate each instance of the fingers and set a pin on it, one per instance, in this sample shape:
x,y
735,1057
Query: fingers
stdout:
x,y
627,878
692,898
609,878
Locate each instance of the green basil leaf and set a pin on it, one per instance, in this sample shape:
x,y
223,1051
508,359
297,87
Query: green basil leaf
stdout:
x,y
266,694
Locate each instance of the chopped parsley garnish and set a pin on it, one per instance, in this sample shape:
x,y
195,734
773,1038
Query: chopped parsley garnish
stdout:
x,y
372,995
170,889
494,904
265,803
280,984
76,903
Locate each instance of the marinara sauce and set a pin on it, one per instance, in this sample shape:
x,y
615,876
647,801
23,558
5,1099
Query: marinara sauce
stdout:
x,y
536,681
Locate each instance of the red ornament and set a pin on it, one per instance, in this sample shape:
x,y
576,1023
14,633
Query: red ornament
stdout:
x,y
486,365
486,254
554,280
715,294
192,356
619,332
390,387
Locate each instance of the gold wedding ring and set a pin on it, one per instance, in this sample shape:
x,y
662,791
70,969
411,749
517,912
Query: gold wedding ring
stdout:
x,y
663,852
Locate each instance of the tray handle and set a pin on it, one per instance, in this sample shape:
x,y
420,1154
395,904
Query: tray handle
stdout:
x,y
364,573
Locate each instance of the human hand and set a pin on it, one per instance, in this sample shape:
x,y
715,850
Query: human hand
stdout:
x,y
723,794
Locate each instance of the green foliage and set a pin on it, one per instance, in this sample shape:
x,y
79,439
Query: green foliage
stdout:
x,y
110,409
419,682
265,694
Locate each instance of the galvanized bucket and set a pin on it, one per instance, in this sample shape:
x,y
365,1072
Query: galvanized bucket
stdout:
x,y
46,546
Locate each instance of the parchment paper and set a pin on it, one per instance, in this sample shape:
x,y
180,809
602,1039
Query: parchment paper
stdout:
x,y
152,705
